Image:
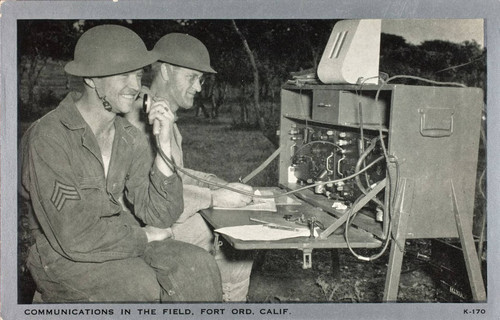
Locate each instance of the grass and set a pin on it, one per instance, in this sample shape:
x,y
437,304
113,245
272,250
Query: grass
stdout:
x,y
215,146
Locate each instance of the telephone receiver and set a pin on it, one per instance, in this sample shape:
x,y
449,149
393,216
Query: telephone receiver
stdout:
x,y
147,102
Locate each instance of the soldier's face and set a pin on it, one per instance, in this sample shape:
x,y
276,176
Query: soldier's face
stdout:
x,y
183,85
120,90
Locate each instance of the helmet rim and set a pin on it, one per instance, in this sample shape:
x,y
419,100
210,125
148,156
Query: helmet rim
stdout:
x,y
109,50
83,69
184,51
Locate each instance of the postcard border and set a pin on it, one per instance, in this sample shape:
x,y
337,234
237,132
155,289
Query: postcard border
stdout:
x,y
11,11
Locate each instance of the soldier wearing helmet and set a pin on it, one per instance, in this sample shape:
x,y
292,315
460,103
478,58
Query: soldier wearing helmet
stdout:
x,y
78,162
177,78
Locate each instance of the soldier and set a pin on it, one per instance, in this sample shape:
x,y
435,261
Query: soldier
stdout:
x,y
177,78
78,162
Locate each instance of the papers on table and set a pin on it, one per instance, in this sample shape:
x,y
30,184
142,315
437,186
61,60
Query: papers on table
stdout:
x,y
266,231
262,233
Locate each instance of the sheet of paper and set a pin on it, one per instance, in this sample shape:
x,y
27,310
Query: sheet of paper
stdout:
x,y
261,233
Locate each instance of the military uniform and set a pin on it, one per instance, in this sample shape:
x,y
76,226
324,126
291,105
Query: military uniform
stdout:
x,y
85,249
235,266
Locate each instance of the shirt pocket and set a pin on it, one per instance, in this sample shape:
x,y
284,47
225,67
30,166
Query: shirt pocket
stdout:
x,y
94,195
91,183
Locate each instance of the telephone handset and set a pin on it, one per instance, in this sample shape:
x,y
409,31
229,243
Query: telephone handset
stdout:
x,y
147,102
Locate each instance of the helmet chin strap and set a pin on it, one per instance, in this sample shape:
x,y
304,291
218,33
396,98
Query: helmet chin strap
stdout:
x,y
105,103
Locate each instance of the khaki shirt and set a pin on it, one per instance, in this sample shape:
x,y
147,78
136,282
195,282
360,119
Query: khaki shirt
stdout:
x,y
76,206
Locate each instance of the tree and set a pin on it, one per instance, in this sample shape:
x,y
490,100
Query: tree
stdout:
x,y
436,60
256,86
38,42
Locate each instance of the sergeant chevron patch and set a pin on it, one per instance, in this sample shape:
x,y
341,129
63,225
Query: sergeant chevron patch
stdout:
x,y
63,192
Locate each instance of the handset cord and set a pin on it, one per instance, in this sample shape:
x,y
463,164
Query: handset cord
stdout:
x,y
175,168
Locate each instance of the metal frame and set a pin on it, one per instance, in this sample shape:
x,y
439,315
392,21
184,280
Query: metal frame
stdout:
x,y
433,133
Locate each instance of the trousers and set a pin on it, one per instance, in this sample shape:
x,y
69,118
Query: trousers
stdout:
x,y
168,271
235,265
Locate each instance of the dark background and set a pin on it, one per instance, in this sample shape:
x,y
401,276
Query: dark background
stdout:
x,y
241,51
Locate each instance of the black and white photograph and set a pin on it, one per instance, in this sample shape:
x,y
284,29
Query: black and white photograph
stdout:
x,y
247,165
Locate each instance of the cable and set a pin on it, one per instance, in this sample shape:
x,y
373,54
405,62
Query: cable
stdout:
x,y
457,84
463,64
361,161
362,138
346,235
483,174
262,166
393,158
389,159
177,168
376,200
480,183
315,142
302,106
386,209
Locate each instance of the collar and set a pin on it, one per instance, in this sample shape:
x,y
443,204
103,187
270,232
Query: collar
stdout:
x,y
73,120
70,116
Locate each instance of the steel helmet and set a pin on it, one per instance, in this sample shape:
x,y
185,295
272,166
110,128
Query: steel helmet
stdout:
x,y
107,50
185,51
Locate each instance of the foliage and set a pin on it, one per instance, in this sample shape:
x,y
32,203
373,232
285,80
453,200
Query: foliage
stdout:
x,y
39,42
45,101
436,60
55,39
278,46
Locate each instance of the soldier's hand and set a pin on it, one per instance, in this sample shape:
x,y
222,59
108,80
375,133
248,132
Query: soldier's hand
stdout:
x,y
162,119
229,199
157,234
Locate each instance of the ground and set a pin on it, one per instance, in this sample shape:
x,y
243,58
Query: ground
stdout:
x,y
281,278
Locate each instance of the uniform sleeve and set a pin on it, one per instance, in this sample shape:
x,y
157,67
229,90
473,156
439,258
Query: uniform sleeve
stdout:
x,y
205,176
195,199
156,198
72,212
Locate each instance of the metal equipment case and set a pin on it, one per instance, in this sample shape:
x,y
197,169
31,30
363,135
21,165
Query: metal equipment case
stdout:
x,y
431,138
